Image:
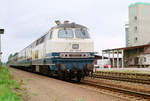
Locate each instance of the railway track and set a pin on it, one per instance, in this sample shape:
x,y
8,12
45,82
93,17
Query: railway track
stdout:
x,y
129,77
126,93
137,95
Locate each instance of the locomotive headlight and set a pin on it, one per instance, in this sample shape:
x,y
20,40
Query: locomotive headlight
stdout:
x,y
64,55
86,55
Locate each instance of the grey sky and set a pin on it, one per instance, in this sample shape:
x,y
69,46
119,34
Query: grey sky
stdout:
x,y
26,20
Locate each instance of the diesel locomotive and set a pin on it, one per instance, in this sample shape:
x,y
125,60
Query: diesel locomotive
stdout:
x,y
65,51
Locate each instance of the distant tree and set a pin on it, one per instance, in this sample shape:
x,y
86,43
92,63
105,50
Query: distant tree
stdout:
x,y
10,56
15,54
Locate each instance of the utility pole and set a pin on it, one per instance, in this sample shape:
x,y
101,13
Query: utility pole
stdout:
x,y
1,32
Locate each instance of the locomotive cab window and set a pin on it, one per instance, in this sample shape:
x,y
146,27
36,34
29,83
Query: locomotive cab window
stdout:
x,y
81,33
65,33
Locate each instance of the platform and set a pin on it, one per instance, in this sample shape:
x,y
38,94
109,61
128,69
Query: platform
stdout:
x,y
126,70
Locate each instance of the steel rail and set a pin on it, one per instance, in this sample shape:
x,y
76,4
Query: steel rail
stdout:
x,y
123,77
134,80
116,89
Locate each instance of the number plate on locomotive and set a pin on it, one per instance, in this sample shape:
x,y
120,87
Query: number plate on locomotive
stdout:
x,y
75,46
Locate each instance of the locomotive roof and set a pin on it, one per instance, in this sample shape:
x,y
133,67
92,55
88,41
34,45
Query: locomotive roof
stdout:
x,y
69,25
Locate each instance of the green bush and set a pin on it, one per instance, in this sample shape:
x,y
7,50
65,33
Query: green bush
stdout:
x,y
6,93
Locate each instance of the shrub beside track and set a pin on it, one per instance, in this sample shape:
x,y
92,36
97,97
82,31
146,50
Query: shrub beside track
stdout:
x,y
7,85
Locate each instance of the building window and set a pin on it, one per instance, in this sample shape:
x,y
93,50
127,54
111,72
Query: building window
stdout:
x,y
135,29
135,18
136,39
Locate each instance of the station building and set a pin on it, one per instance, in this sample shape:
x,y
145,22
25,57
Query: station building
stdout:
x,y
137,50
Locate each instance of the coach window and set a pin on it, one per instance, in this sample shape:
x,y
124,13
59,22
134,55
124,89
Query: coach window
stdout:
x,y
65,33
81,33
37,42
33,44
42,39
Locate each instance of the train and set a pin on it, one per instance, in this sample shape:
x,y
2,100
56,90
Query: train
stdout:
x,y
65,51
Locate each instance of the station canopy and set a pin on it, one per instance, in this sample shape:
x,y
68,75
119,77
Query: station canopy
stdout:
x,y
127,48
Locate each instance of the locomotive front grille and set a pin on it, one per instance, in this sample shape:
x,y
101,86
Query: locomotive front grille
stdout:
x,y
74,55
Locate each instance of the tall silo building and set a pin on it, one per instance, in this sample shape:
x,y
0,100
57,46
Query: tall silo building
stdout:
x,y
138,29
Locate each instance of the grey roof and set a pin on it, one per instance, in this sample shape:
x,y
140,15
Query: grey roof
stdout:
x,y
69,25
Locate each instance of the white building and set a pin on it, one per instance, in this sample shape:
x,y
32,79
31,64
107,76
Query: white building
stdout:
x,y
138,30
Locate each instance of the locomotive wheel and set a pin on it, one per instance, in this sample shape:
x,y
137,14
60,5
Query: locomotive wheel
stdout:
x,y
78,79
69,77
65,76
50,73
60,75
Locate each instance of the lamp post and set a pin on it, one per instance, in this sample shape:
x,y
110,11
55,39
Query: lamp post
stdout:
x,y
1,32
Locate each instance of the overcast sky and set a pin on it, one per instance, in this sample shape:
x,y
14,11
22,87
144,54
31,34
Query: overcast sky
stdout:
x,y
26,20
